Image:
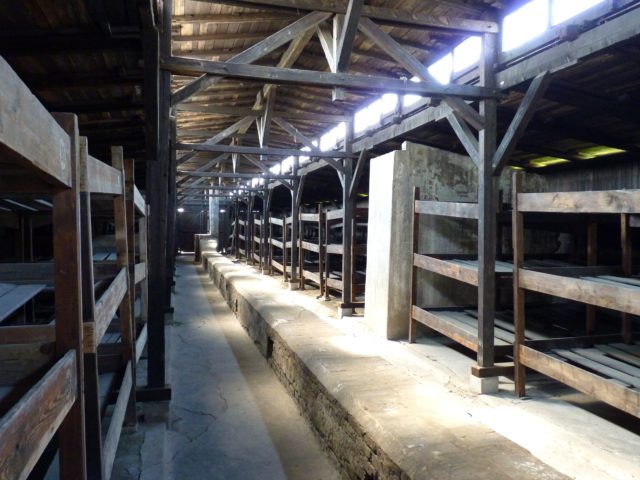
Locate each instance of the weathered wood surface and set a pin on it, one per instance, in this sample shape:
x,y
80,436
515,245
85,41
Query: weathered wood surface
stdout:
x,y
20,361
14,297
605,201
608,391
140,272
105,310
447,209
29,136
117,418
28,427
590,290
463,273
27,334
101,178
139,202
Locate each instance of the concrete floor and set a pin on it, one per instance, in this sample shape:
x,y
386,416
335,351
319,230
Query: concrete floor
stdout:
x,y
230,417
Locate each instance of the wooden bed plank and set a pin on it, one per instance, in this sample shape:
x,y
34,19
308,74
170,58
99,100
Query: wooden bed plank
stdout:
x,y
28,427
140,272
101,178
457,271
598,356
605,201
598,367
12,300
462,334
117,418
594,385
30,136
105,310
623,298
620,354
139,202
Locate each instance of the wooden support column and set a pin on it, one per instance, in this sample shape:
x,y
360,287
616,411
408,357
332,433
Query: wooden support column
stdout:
x,y
68,305
265,232
487,208
348,205
171,212
236,230
627,269
295,224
123,216
157,114
518,293
592,259
248,231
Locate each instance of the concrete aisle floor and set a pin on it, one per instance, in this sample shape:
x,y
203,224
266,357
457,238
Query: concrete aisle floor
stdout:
x,y
230,418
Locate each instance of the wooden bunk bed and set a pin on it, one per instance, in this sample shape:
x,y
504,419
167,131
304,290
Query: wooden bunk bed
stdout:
x,y
605,366
311,249
42,365
280,245
333,278
257,232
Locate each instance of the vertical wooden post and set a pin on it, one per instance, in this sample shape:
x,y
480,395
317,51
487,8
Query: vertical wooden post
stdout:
x,y
248,231
321,221
295,221
144,284
627,269
413,292
93,417
124,226
68,304
487,208
347,222
285,255
236,230
171,210
266,226
517,221
270,247
592,259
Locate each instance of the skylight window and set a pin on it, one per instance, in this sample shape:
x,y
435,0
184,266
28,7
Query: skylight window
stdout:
x,y
442,69
525,24
373,113
410,99
467,54
388,103
360,120
562,10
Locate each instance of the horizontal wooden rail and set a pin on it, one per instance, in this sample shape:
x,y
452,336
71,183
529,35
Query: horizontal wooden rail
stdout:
x,y
138,201
22,360
309,246
334,214
140,272
105,310
447,209
42,272
30,137
459,272
622,298
101,178
27,428
112,437
309,217
605,201
275,221
27,334
576,377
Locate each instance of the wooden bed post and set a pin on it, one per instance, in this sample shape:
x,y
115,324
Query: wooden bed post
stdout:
x,y
487,207
627,269
592,259
123,215
295,223
518,293
68,304
285,256
415,235
347,226
93,417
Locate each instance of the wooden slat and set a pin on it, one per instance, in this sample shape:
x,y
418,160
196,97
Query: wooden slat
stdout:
x,y
277,243
30,136
117,418
452,270
105,310
591,384
334,214
102,178
597,356
27,334
606,201
141,342
447,209
309,246
334,249
28,427
138,200
461,333
622,298
620,354
140,272
275,221
309,217
19,361
597,367
17,297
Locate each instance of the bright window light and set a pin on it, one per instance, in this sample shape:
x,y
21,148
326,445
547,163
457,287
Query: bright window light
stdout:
x,y
360,121
409,100
275,169
467,54
327,141
442,69
340,131
525,24
388,103
373,113
287,163
180,210
562,10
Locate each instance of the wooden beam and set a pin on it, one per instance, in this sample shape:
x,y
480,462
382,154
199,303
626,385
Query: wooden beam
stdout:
x,y
326,42
465,135
232,18
235,175
278,152
357,174
24,119
297,135
253,53
392,48
391,16
520,121
241,112
603,201
348,34
281,76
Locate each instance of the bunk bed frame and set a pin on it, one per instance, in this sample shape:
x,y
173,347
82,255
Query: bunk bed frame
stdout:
x,y
606,367
318,249
282,242
68,398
